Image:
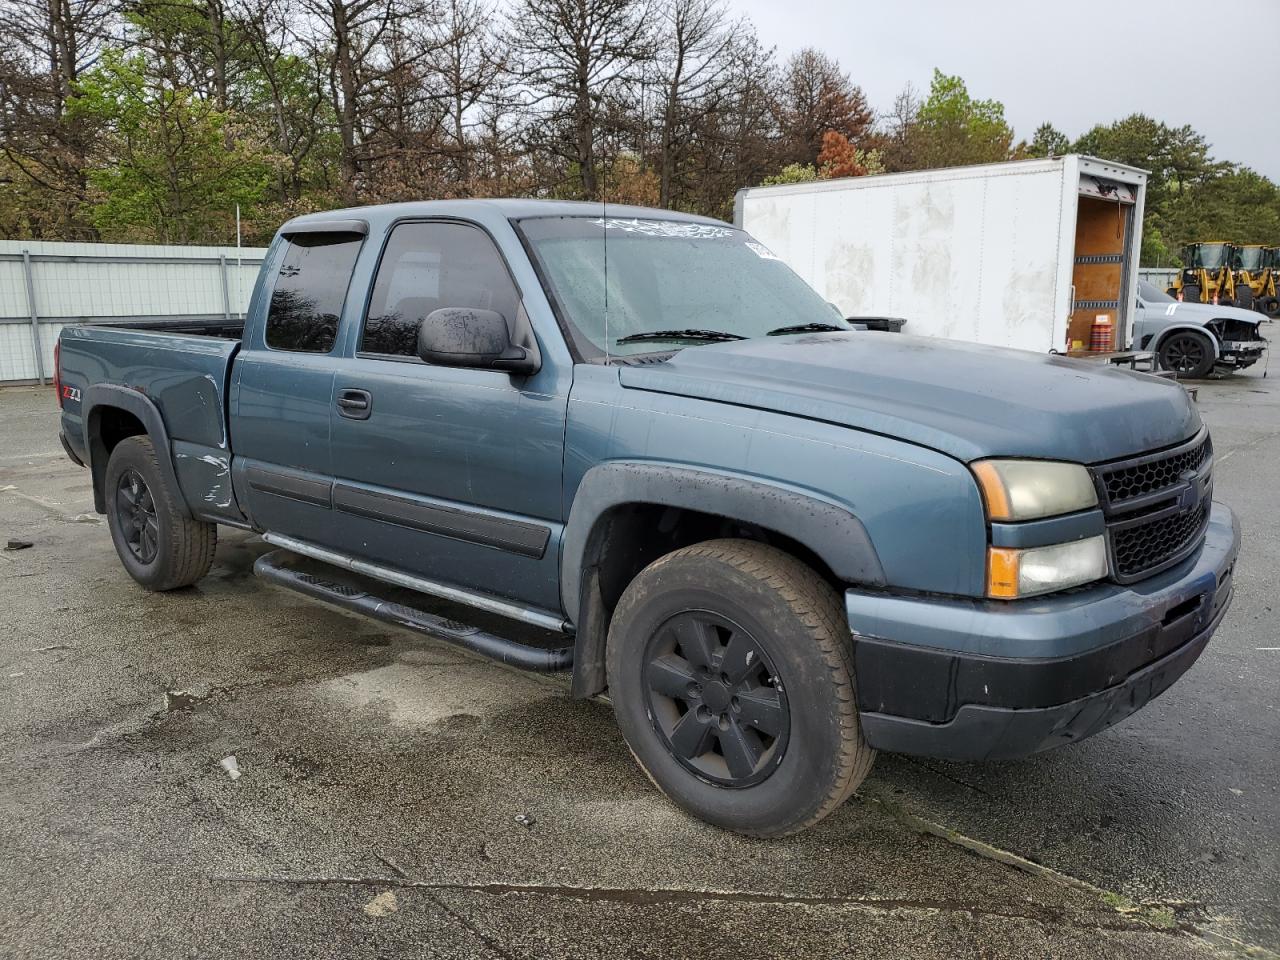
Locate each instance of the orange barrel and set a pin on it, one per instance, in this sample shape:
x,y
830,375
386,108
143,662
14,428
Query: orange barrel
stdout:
x,y
1102,335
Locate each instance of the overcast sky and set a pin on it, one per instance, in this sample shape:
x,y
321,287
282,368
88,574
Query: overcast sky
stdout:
x,y
1071,64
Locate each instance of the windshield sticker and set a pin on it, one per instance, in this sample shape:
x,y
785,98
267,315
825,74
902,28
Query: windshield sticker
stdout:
x,y
671,229
761,251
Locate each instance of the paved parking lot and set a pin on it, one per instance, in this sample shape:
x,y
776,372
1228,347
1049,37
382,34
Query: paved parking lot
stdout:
x,y
383,775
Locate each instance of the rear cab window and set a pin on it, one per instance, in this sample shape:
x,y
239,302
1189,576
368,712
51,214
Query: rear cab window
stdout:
x,y
310,290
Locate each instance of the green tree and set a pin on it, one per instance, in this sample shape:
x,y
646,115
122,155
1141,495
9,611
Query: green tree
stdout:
x,y
1048,141
1183,198
950,128
792,173
167,169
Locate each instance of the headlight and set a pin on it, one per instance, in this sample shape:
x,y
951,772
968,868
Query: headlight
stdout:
x,y
1030,489
1024,573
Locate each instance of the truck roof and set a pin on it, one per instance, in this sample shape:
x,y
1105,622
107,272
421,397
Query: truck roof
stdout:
x,y
513,208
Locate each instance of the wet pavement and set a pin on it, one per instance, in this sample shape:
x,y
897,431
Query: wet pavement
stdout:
x,y
399,798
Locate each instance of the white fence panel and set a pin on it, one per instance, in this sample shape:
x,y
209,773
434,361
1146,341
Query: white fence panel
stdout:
x,y
97,282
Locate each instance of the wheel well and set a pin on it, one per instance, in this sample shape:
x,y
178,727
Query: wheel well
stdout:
x,y
110,425
107,427
629,537
1209,331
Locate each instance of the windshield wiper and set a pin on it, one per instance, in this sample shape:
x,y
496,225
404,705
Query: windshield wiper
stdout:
x,y
806,328
680,335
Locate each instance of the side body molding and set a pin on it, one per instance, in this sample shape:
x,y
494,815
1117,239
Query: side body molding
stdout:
x,y
141,406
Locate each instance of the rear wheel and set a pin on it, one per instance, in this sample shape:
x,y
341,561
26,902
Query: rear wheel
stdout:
x,y
159,545
1189,355
731,675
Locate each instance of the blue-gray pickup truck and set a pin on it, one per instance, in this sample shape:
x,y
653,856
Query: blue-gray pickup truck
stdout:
x,y
777,543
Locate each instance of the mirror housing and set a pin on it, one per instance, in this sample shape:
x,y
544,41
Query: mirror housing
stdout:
x,y
471,337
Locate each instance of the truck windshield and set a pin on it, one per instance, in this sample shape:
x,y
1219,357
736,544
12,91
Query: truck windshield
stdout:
x,y
1210,256
1248,258
664,278
1150,293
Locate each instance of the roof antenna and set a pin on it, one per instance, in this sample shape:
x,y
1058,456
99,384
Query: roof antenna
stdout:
x,y
604,223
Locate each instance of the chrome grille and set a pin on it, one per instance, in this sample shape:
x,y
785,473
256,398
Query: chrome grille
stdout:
x,y
1156,506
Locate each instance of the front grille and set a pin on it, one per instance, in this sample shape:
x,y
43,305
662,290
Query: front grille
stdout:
x,y
1149,545
1156,507
1150,475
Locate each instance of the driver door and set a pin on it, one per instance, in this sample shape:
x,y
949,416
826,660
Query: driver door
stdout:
x,y
448,473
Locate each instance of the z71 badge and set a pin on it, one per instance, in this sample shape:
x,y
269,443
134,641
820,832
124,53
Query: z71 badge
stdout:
x,y
71,393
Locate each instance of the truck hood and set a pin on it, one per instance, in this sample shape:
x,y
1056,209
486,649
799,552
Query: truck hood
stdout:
x,y
965,400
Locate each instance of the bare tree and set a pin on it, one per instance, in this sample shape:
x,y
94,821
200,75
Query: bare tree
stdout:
x,y
574,56
45,45
817,96
692,48
295,105
375,51
470,72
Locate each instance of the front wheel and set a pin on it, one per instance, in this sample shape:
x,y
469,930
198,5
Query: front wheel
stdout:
x,y
731,674
1189,355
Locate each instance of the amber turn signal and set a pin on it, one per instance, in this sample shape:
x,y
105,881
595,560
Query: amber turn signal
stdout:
x,y
1002,572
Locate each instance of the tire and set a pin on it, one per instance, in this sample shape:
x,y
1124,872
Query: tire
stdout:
x,y
1191,293
160,547
1244,297
1189,355
1270,306
792,709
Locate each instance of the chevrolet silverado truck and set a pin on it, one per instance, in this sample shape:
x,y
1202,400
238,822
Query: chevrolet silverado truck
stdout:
x,y
776,543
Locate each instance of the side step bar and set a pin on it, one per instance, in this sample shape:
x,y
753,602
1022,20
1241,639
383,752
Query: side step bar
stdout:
x,y
273,568
444,591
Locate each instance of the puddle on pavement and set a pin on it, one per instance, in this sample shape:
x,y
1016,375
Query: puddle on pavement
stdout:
x,y
414,695
178,701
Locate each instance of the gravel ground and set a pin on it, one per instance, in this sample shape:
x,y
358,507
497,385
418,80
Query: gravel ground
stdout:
x,y
383,775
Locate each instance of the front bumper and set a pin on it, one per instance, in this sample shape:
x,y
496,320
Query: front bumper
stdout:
x,y
1241,353
981,680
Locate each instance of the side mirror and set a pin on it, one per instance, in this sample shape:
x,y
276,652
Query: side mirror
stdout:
x,y
469,337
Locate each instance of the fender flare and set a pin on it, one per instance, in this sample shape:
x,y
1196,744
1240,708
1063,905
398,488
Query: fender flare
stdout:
x,y
144,408
827,528
1194,328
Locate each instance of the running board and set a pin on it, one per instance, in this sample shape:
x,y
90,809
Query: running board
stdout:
x,y
398,578
273,568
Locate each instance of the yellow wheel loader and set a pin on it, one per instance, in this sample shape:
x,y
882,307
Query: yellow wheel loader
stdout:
x,y
1206,275
1267,290
1254,280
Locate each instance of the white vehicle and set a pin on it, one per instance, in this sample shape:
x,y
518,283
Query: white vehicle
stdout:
x,y
1030,254
1196,339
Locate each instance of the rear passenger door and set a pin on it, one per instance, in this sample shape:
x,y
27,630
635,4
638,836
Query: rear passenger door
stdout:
x,y
282,385
448,473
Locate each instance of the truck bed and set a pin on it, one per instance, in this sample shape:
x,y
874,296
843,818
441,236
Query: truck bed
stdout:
x,y
181,368
229,329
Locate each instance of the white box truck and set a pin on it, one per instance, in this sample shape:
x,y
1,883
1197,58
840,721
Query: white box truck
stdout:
x,y
1028,254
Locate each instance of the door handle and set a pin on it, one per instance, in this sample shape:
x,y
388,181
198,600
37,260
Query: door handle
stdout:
x,y
355,404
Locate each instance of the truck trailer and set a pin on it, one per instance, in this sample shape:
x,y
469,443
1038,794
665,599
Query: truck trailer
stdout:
x,y
1035,254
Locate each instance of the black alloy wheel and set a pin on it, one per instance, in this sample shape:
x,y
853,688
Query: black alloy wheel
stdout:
x,y
137,516
714,698
730,671
1188,355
